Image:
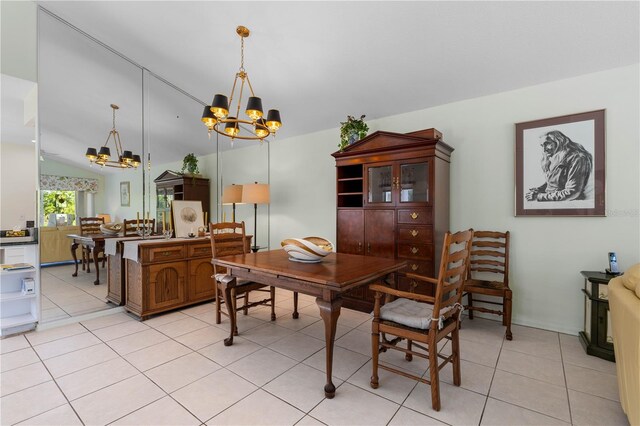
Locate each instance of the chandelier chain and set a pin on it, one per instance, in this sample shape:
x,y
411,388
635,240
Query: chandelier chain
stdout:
x,y
241,53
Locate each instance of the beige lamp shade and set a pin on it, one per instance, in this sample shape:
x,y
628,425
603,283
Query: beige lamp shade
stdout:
x,y
232,194
255,193
106,216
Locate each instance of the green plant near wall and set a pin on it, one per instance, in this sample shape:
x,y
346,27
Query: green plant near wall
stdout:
x,y
352,131
190,164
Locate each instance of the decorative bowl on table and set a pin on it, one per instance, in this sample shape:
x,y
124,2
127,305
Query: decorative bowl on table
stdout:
x,y
111,228
307,250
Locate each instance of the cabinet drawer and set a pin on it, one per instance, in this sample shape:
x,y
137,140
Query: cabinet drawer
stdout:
x,y
199,250
415,216
162,254
415,251
420,267
418,234
415,286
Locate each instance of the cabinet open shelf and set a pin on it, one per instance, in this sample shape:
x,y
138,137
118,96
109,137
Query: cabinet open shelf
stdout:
x,y
350,185
17,271
15,295
17,320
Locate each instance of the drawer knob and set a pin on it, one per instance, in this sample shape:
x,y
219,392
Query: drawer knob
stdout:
x,y
414,215
414,267
414,233
413,284
414,250
165,253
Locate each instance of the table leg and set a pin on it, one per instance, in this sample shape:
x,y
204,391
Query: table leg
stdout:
x,y
295,314
96,252
74,247
329,311
89,251
228,283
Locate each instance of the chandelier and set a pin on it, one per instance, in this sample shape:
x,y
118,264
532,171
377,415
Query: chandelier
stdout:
x,y
126,159
255,127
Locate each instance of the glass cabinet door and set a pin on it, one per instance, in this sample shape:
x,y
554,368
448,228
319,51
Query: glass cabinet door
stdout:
x,y
380,184
414,182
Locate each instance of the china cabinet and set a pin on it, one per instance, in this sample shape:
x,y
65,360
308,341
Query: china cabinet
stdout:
x,y
393,201
175,186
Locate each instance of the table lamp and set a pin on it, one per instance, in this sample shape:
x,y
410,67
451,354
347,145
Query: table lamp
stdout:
x,y
255,193
232,194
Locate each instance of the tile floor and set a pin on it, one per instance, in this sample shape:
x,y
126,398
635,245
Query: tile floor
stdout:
x,y
64,296
174,369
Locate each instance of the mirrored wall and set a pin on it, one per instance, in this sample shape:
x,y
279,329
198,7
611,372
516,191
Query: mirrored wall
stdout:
x,y
80,78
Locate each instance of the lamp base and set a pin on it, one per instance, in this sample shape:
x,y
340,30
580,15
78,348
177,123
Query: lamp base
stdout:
x,y
255,249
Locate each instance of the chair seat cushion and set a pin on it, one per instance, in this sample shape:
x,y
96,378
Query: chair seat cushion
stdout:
x,y
239,282
408,312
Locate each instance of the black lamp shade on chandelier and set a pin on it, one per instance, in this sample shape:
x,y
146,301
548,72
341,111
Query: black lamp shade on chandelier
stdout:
x,y
126,159
255,127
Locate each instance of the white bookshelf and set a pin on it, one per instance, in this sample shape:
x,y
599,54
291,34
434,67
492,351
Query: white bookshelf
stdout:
x,y
19,312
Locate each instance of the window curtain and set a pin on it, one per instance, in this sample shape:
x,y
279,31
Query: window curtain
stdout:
x,y
66,183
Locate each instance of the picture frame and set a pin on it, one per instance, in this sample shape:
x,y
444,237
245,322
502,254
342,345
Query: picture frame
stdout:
x,y
560,166
125,194
187,217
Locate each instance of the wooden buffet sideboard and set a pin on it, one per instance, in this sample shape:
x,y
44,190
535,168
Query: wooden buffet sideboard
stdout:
x,y
170,274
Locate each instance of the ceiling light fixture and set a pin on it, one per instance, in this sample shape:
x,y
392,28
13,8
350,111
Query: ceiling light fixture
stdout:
x,y
256,127
126,159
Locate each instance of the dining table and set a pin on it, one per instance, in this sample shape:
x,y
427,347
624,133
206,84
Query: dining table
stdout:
x,y
327,280
94,242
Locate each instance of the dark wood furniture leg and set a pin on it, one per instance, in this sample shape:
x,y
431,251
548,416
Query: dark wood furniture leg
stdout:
x,y
295,314
272,294
88,251
228,283
329,311
74,247
507,313
96,264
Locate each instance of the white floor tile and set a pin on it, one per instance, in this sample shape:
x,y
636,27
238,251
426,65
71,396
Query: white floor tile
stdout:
x,y
165,411
592,382
259,408
116,401
94,378
49,335
262,366
180,327
573,353
458,406
473,377
297,346
30,402
66,345
500,413
532,394
266,334
354,406
317,330
345,362
182,371
120,330
77,360
150,357
13,344
135,342
302,386
225,355
202,337
107,320
592,410
408,417
391,386
63,415
22,378
205,398
17,359
356,341
535,367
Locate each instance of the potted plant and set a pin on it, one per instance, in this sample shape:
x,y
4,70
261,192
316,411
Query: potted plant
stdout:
x,y
190,164
352,131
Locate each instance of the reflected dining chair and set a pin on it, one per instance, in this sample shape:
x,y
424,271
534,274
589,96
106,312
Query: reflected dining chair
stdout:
x,y
228,238
130,227
423,320
90,226
488,275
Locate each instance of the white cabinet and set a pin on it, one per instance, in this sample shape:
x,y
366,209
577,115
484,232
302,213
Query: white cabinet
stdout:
x,y
19,310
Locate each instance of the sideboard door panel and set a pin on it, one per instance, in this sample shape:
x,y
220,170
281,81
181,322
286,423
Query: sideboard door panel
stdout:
x,y
201,285
166,285
379,233
351,234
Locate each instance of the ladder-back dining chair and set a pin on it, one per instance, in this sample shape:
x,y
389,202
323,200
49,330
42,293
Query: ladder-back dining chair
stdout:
x,y
130,227
90,226
488,275
423,320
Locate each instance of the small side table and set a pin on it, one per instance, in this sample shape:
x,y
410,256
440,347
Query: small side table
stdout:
x,y
596,338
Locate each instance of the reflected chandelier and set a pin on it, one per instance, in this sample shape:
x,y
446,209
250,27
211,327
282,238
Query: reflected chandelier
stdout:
x,y
126,159
256,127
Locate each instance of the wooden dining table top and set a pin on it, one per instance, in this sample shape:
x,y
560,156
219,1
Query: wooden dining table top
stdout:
x,y
339,271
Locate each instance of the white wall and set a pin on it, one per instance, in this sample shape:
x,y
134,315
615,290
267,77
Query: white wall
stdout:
x,y
55,168
19,22
18,184
547,253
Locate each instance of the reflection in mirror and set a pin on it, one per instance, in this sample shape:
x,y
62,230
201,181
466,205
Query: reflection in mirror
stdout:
x,y
80,79
173,131
247,162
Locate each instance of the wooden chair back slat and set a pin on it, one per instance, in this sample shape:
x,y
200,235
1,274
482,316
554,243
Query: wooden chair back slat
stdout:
x,y
227,238
91,225
488,234
487,253
453,265
491,261
484,243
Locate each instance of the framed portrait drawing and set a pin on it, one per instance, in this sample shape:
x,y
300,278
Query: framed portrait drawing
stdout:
x,y
187,217
560,166
125,194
